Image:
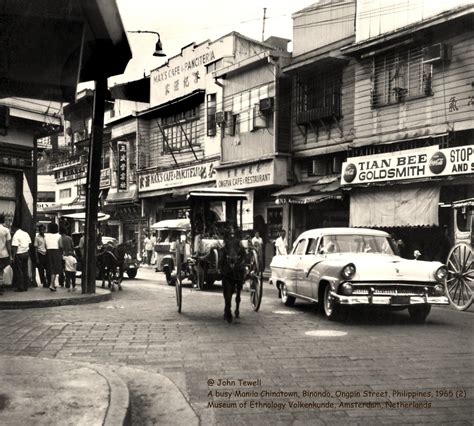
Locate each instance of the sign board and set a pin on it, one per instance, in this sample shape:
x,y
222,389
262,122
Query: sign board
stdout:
x,y
183,176
409,164
254,175
105,178
122,168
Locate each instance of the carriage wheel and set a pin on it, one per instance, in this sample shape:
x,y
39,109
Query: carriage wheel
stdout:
x,y
460,278
179,294
255,279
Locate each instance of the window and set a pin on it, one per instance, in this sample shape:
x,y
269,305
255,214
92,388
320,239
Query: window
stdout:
x,y
64,193
46,197
211,115
214,66
180,130
398,76
233,126
318,96
311,246
299,249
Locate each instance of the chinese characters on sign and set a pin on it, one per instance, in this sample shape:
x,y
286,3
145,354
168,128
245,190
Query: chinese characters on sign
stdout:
x,y
122,169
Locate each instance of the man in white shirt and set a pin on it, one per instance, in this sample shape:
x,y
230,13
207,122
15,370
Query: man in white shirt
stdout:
x,y
257,242
20,248
5,248
281,244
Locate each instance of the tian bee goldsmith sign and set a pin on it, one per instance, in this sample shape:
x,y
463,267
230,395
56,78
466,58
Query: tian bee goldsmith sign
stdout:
x,y
409,164
123,166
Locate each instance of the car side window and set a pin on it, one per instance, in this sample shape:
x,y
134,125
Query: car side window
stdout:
x,y
299,249
312,244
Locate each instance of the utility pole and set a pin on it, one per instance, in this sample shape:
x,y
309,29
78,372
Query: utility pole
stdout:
x,y
93,184
263,23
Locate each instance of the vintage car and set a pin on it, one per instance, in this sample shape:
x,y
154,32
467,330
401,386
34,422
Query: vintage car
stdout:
x,y
343,267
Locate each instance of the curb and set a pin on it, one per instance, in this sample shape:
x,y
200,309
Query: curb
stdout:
x,y
48,303
118,410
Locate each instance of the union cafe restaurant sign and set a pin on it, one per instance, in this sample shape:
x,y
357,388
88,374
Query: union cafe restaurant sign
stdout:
x,y
408,164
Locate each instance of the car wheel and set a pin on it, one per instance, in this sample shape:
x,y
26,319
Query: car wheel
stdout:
x,y
332,310
132,273
418,314
285,297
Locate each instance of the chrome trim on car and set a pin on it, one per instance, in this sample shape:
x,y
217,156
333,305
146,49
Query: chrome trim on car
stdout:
x,y
386,300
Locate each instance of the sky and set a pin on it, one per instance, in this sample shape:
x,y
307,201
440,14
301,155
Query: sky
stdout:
x,y
181,22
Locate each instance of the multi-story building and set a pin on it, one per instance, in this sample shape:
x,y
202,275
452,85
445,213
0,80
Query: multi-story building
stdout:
x,y
322,115
178,138
253,126
413,150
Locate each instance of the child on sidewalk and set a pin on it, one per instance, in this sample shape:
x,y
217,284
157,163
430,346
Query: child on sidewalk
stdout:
x,y
70,267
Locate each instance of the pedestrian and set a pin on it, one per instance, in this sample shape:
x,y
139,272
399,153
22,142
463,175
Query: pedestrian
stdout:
x,y
67,246
40,256
21,242
81,246
70,268
5,249
281,244
149,247
257,242
53,253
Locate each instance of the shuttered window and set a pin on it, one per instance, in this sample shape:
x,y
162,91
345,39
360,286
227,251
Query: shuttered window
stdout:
x,y
211,115
399,76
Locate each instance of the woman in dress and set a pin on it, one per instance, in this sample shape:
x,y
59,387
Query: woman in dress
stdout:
x,y
53,253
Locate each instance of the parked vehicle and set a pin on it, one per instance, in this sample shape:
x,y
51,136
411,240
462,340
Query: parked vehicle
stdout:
x,y
168,232
343,267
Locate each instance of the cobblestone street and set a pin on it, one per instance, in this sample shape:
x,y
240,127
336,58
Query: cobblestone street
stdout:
x,y
373,369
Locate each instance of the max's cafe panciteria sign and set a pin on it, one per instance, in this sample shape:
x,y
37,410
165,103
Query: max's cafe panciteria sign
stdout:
x,y
409,164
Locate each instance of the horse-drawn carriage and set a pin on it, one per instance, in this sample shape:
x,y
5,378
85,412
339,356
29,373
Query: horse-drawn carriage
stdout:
x,y
216,223
460,263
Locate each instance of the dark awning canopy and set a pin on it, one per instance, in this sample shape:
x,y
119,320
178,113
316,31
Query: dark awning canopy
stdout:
x,y
138,90
326,188
188,101
129,196
49,46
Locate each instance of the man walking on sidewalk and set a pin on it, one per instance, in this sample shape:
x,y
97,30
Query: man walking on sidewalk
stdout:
x,y
21,242
41,261
5,249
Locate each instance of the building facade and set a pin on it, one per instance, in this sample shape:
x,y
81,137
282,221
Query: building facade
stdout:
x,y
413,150
178,138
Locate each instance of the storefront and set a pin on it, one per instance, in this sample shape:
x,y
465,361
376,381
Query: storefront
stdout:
x,y
259,179
409,193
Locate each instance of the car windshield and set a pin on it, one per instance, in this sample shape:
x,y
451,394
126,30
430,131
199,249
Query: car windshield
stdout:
x,y
356,244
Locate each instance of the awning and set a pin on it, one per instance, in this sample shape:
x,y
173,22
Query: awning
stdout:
x,y
394,207
167,224
218,194
326,188
82,216
129,196
188,101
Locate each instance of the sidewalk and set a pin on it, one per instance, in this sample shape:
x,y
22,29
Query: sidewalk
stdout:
x,y
40,297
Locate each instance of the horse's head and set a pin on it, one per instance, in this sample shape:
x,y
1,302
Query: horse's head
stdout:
x,y
233,254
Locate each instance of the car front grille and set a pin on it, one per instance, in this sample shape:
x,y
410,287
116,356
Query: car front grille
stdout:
x,y
391,290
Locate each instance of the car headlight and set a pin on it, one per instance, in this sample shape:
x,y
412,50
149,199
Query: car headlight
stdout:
x,y
441,273
438,290
348,271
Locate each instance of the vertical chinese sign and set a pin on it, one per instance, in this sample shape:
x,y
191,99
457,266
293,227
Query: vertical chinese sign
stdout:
x,y
122,169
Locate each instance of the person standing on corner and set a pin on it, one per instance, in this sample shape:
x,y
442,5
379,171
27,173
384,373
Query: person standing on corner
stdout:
x,y
67,246
21,242
149,247
40,254
5,248
281,244
53,253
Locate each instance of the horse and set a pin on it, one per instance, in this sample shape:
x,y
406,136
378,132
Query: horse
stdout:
x,y
232,266
111,265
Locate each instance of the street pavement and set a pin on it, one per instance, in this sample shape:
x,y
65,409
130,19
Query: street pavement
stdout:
x,y
278,366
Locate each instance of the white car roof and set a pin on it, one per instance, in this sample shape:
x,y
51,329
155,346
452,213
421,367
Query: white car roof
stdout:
x,y
314,233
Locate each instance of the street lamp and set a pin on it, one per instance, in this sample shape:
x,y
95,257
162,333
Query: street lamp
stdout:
x,y
158,48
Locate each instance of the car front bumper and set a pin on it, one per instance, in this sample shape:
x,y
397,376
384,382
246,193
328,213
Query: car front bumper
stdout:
x,y
389,301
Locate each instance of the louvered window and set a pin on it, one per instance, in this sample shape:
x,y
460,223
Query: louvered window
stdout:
x,y
399,76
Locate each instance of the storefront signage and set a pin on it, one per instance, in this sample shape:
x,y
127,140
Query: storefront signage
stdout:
x,y
191,175
105,178
409,164
122,169
253,175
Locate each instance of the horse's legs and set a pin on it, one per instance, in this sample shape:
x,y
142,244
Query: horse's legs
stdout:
x,y
227,290
238,289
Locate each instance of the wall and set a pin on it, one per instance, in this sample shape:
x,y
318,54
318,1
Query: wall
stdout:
x,y
322,24
429,115
375,17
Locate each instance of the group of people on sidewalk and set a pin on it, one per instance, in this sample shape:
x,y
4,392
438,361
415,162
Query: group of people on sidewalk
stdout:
x,y
52,253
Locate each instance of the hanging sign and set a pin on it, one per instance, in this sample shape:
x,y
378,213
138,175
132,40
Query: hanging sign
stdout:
x,y
122,169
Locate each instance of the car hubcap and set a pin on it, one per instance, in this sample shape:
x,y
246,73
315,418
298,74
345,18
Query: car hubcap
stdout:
x,y
283,294
328,301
